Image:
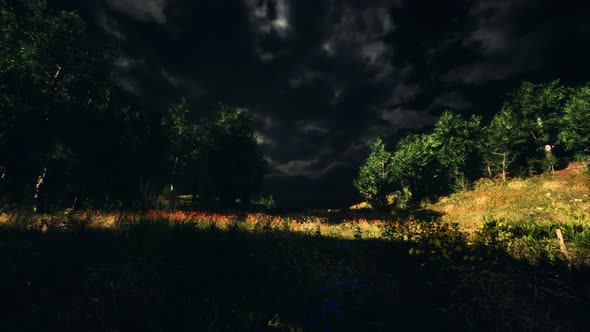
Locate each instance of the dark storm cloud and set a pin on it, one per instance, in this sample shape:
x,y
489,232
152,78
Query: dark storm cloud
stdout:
x,y
110,26
323,79
453,101
308,82
512,37
143,10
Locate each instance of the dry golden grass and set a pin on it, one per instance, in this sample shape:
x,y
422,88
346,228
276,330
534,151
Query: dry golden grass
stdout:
x,y
562,198
333,224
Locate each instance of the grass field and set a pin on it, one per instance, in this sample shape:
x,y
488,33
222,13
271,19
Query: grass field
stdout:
x,y
485,260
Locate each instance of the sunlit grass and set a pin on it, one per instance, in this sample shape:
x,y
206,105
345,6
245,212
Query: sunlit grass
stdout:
x,y
337,226
537,199
292,272
486,259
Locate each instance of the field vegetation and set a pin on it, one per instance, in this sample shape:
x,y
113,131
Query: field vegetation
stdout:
x,y
429,268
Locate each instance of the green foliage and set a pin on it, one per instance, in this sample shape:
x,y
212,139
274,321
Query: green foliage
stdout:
x,y
53,80
416,170
63,112
230,165
539,107
183,145
493,233
535,122
504,143
535,130
424,166
457,142
402,199
182,134
536,242
266,204
430,240
575,124
374,181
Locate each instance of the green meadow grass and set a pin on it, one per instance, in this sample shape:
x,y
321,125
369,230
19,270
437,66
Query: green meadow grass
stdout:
x,y
486,259
213,272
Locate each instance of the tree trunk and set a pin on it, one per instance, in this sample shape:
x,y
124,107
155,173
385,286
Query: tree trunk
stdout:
x,y
146,189
172,197
106,201
172,191
549,158
38,184
504,166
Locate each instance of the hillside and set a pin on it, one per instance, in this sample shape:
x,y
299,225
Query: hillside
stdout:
x,y
562,197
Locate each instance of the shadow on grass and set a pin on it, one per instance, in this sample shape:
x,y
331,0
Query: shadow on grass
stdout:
x,y
339,216
155,276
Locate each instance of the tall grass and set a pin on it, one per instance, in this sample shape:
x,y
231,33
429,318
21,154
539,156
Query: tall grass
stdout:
x,y
284,273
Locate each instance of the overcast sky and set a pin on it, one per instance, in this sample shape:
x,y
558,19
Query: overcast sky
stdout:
x,y
323,79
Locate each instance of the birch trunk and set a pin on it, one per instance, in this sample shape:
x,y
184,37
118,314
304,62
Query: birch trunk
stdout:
x,y
504,166
172,192
38,184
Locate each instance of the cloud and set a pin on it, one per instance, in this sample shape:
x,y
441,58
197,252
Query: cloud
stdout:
x,y
305,168
452,100
508,40
270,23
403,92
270,16
264,140
359,32
130,84
127,63
312,128
264,121
187,84
314,75
400,118
299,167
111,26
141,10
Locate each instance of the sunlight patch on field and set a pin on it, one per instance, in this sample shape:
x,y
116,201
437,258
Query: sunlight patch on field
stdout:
x,y
536,199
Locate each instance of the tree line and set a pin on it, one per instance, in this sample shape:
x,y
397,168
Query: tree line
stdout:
x,y
539,127
69,135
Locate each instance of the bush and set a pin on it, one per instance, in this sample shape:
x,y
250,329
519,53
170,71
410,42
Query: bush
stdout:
x,y
265,204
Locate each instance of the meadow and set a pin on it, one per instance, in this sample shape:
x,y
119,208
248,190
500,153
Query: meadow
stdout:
x,y
429,269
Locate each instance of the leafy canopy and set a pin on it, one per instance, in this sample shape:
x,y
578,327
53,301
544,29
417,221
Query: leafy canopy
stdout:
x,y
375,180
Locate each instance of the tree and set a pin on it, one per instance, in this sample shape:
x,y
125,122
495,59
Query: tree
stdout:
x,y
575,123
183,144
538,109
230,166
374,181
416,170
68,133
52,77
456,142
505,143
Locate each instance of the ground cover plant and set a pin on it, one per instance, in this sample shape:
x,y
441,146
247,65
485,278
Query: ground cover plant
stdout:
x,y
328,271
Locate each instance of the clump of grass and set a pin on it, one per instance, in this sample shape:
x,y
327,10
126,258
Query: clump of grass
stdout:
x,y
488,299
